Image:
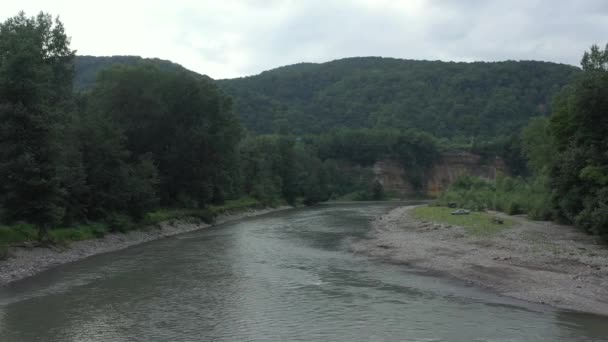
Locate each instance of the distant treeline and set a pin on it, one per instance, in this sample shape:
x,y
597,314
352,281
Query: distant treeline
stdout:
x,y
450,100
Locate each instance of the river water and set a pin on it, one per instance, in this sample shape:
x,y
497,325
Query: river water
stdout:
x,y
286,276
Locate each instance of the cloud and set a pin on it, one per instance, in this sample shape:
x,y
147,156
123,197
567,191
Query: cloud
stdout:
x,y
232,38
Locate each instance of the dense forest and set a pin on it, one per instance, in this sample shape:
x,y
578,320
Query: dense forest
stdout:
x,y
566,156
86,68
144,137
113,142
445,99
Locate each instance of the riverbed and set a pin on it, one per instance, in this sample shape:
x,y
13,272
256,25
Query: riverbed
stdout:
x,y
285,276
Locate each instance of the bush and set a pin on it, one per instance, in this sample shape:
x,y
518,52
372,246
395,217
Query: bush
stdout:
x,y
99,231
119,223
204,215
511,195
63,235
17,233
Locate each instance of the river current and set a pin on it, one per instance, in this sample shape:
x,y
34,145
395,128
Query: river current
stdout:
x,y
286,276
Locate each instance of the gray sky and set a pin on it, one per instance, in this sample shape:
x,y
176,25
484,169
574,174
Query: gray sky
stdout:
x,y
229,38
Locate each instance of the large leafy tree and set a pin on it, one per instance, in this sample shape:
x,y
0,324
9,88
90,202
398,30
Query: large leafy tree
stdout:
x,y
182,121
36,71
580,131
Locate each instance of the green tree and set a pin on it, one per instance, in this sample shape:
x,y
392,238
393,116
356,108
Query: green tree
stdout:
x,y
183,121
36,70
579,127
538,145
595,59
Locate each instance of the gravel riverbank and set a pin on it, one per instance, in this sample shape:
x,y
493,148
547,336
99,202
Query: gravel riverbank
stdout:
x,y
540,262
26,262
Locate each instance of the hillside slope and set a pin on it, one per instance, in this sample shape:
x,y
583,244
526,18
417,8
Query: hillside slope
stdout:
x,y
87,67
446,99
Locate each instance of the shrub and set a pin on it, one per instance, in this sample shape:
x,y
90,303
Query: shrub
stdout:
x,y
17,233
204,215
511,195
64,235
119,223
98,230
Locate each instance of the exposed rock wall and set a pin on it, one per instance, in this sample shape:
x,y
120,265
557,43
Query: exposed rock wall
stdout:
x,y
444,172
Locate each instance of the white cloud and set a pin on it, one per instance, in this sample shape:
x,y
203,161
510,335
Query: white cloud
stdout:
x,y
233,38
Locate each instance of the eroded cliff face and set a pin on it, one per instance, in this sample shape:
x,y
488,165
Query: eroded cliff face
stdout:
x,y
445,171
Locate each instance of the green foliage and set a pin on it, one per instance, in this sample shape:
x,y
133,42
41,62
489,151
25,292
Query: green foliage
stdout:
x,y
155,217
373,192
65,235
16,233
444,99
595,59
182,120
579,128
87,68
416,151
149,134
206,215
21,232
35,86
476,223
276,168
538,145
510,195
119,223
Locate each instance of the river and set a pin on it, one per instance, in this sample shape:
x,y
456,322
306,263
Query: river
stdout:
x,y
286,276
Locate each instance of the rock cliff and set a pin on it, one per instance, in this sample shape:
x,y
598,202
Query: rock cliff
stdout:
x,y
445,171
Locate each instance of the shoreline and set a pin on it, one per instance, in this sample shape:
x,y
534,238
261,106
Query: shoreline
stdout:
x,y
537,262
26,262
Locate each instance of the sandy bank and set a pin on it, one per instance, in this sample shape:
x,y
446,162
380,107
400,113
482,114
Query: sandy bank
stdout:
x,y
539,262
27,262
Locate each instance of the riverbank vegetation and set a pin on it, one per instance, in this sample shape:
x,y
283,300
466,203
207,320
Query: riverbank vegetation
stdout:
x,y
566,155
25,234
145,143
110,159
475,223
89,146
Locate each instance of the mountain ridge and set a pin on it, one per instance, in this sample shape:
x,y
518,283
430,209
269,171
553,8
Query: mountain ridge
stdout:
x,y
454,100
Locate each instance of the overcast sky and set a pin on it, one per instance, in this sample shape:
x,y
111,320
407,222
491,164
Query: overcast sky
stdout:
x,y
230,38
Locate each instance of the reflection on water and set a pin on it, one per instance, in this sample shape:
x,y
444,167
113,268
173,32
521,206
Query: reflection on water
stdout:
x,y
281,277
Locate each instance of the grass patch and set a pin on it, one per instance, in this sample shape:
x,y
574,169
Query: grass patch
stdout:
x,y
19,233
78,233
207,215
163,215
235,205
476,223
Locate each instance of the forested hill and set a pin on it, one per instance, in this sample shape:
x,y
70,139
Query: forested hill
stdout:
x,y
87,67
445,99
